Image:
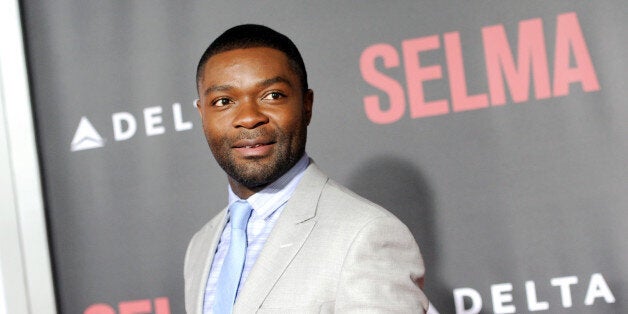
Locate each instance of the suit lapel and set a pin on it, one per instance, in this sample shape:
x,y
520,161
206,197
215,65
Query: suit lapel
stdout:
x,y
207,250
285,240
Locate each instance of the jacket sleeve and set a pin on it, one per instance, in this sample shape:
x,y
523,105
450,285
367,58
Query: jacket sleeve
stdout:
x,y
383,271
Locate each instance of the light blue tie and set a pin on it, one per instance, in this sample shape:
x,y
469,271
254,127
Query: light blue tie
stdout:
x,y
229,279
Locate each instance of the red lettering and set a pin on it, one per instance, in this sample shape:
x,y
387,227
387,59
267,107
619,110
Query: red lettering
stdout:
x,y
372,104
531,54
569,37
416,75
506,72
162,306
99,308
135,307
460,100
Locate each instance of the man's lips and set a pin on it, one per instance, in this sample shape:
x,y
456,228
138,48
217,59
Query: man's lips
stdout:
x,y
253,148
252,143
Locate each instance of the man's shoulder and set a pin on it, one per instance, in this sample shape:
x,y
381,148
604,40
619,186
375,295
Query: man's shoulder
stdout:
x,y
209,228
339,203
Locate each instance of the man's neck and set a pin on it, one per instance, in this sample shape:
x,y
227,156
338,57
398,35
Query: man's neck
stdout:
x,y
242,191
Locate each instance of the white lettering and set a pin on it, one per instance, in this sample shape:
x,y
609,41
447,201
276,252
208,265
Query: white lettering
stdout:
x,y
119,133
499,295
598,288
179,125
152,119
533,303
476,301
565,291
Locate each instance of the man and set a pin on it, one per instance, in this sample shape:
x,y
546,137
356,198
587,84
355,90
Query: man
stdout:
x,y
291,240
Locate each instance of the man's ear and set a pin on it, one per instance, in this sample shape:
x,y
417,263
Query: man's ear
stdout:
x,y
308,102
197,104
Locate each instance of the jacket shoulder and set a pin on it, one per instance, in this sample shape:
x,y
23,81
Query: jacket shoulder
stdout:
x,y
207,231
350,201
338,202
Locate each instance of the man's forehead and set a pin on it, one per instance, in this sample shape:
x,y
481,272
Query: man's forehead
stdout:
x,y
265,59
258,52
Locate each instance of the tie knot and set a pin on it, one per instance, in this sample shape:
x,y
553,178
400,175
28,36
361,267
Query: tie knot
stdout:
x,y
239,212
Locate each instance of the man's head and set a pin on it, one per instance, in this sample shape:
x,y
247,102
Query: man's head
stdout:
x,y
254,105
251,36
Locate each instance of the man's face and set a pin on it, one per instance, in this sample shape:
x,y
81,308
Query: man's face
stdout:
x,y
254,114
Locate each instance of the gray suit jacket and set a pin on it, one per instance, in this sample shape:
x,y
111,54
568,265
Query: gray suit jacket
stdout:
x,y
330,251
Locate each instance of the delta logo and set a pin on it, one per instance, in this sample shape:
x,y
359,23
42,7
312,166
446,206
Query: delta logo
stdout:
x,y
502,296
125,126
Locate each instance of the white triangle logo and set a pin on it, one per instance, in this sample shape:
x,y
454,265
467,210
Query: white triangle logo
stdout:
x,y
86,137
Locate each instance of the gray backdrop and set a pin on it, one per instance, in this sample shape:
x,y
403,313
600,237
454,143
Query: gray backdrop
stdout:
x,y
530,191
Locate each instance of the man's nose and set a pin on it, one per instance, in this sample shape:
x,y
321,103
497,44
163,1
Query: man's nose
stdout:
x,y
249,115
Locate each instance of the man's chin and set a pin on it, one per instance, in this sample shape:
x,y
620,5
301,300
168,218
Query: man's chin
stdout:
x,y
254,177
254,173
254,182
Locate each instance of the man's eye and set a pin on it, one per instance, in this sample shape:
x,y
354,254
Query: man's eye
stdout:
x,y
273,96
221,102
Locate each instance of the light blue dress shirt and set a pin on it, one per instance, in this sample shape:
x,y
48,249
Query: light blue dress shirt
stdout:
x,y
267,206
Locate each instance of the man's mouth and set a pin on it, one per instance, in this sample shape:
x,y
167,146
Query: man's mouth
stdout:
x,y
254,147
252,143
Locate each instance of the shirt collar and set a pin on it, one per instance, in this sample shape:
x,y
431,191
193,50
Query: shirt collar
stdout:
x,y
269,199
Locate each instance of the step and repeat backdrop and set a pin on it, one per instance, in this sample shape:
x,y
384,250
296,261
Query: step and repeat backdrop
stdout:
x,y
496,130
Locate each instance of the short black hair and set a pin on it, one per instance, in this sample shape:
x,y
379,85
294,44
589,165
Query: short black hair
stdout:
x,y
253,36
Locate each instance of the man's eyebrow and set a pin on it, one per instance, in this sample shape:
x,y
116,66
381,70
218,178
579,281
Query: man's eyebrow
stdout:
x,y
271,81
217,88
